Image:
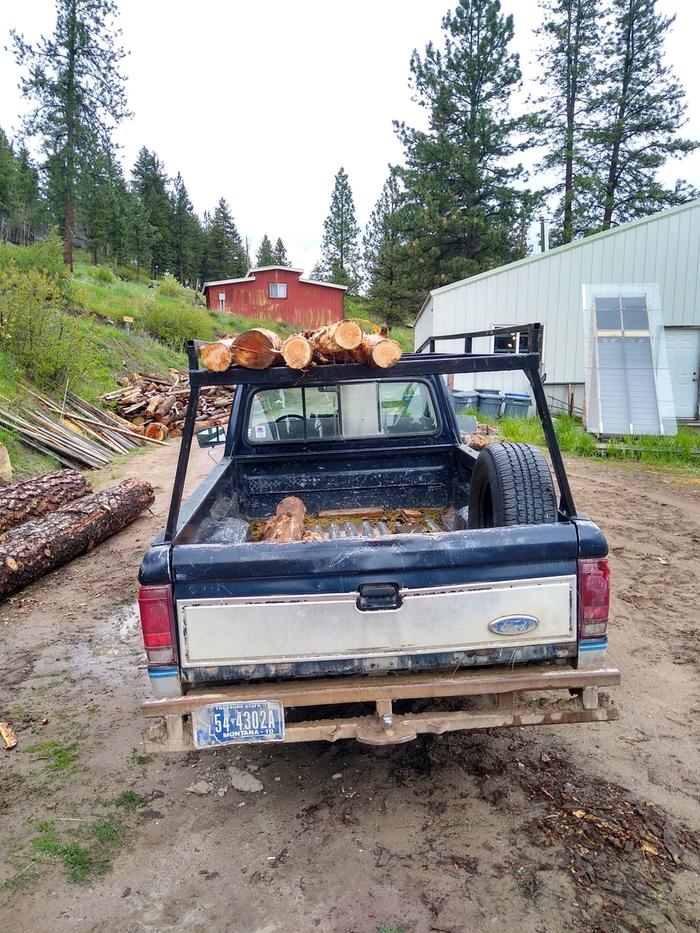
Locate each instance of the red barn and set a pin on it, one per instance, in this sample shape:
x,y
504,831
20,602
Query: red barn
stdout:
x,y
278,293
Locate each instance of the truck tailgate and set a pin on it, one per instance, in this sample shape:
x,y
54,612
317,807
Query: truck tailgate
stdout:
x,y
278,604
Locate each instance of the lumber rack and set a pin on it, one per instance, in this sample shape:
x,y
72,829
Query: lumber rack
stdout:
x,y
419,363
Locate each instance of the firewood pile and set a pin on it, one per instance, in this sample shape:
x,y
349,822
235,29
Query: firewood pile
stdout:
x,y
291,522
49,520
72,431
155,406
342,342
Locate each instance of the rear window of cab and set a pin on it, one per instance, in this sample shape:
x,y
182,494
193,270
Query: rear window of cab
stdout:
x,y
349,410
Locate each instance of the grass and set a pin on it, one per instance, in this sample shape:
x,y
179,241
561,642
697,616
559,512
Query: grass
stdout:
x,y
85,856
681,450
59,757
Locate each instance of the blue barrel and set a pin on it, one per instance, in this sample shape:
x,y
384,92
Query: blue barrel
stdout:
x,y
464,399
517,405
490,402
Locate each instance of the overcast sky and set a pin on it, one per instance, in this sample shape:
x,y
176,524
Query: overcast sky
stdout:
x,y
262,101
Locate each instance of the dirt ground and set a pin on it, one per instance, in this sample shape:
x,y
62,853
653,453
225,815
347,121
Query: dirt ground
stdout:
x,y
586,827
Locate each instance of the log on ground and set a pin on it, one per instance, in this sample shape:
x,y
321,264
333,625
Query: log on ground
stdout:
x,y
35,497
287,524
43,544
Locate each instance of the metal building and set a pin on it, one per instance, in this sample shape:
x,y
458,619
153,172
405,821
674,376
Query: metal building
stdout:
x,y
662,249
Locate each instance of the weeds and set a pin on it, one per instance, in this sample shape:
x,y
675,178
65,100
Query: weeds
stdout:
x,y
136,758
128,799
84,858
59,757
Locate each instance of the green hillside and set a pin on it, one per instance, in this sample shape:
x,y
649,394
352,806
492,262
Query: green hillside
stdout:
x,y
58,330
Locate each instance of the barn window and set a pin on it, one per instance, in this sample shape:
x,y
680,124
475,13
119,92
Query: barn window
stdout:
x,y
277,289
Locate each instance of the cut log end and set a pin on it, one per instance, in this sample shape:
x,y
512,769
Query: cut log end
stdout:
x,y
287,524
347,334
297,352
386,353
257,348
218,356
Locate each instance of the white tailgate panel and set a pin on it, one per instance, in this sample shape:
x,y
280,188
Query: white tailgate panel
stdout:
x,y
286,629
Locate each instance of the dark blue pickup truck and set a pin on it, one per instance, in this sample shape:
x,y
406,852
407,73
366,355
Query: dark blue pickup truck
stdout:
x,y
446,590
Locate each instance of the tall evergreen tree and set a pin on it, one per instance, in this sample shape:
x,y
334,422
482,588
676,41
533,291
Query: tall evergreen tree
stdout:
x,y
384,255
570,38
643,109
79,95
28,208
339,248
151,184
463,206
186,234
266,255
280,254
141,234
7,176
224,253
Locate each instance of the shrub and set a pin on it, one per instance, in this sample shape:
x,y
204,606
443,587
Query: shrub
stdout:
x,y
175,325
44,255
171,288
42,340
102,274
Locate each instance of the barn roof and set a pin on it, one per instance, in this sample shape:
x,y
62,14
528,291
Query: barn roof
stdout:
x,y
558,250
251,277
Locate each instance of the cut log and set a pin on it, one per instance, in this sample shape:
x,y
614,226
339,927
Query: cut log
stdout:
x,y
35,497
371,511
39,546
297,352
334,339
5,466
257,348
287,524
218,356
379,350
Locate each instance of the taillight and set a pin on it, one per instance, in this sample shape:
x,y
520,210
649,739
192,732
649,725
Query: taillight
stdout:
x,y
158,624
593,597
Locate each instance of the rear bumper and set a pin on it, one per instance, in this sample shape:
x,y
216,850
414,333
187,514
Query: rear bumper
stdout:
x,y
512,697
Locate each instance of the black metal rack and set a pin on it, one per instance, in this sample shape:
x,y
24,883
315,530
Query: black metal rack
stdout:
x,y
410,364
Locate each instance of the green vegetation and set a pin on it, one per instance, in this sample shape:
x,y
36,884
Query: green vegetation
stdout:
x,y
681,450
128,799
86,856
59,757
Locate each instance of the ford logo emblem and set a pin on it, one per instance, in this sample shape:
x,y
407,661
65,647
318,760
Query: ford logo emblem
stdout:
x,y
513,625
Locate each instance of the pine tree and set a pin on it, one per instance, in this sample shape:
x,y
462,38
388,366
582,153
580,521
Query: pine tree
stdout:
x,y
141,234
280,254
95,193
79,94
224,254
383,253
643,108
28,209
7,179
339,248
570,37
186,234
265,256
151,183
464,202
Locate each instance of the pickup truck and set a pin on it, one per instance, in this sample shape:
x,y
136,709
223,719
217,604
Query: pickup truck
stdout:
x,y
480,598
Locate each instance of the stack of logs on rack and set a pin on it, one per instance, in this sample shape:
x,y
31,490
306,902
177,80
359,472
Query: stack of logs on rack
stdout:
x,y
342,342
47,521
156,406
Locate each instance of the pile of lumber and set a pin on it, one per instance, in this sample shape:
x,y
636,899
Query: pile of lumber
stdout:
x,y
155,406
74,432
52,519
342,342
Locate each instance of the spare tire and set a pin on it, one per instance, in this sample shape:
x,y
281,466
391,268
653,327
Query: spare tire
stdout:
x,y
511,485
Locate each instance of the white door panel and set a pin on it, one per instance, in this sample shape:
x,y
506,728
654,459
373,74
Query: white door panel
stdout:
x,y
683,349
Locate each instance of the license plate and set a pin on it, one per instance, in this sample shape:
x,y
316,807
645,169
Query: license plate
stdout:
x,y
244,721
